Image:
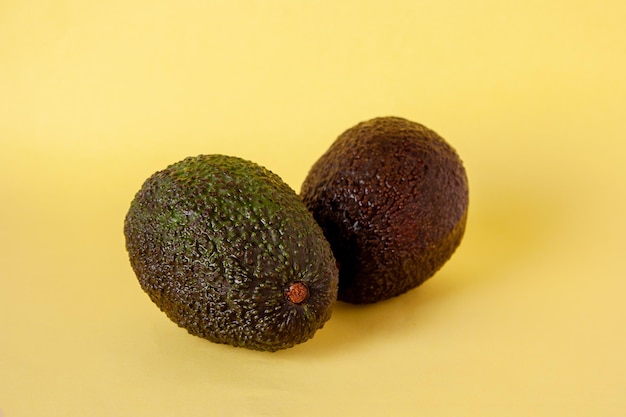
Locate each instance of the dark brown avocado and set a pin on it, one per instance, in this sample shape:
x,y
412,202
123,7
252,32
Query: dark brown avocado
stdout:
x,y
392,197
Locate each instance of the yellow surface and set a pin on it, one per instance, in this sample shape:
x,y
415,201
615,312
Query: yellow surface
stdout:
x,y
527,319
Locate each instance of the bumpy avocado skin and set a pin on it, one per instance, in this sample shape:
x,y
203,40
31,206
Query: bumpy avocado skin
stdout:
x,y
216,241
392,197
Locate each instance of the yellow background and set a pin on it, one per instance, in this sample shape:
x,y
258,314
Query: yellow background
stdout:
x,y
527,319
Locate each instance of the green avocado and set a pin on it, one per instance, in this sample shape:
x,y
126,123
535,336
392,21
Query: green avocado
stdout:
x,y
229,252
391,196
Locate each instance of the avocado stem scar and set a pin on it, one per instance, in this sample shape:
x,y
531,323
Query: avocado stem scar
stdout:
x,y
297,292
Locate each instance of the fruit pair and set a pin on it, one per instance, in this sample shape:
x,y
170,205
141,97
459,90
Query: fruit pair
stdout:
x,y
232,254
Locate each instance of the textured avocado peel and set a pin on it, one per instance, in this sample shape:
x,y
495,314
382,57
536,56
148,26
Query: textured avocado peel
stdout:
x,y
229,252
391,196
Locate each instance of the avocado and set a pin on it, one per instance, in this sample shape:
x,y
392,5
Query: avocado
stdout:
x,y
229,252
391,196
